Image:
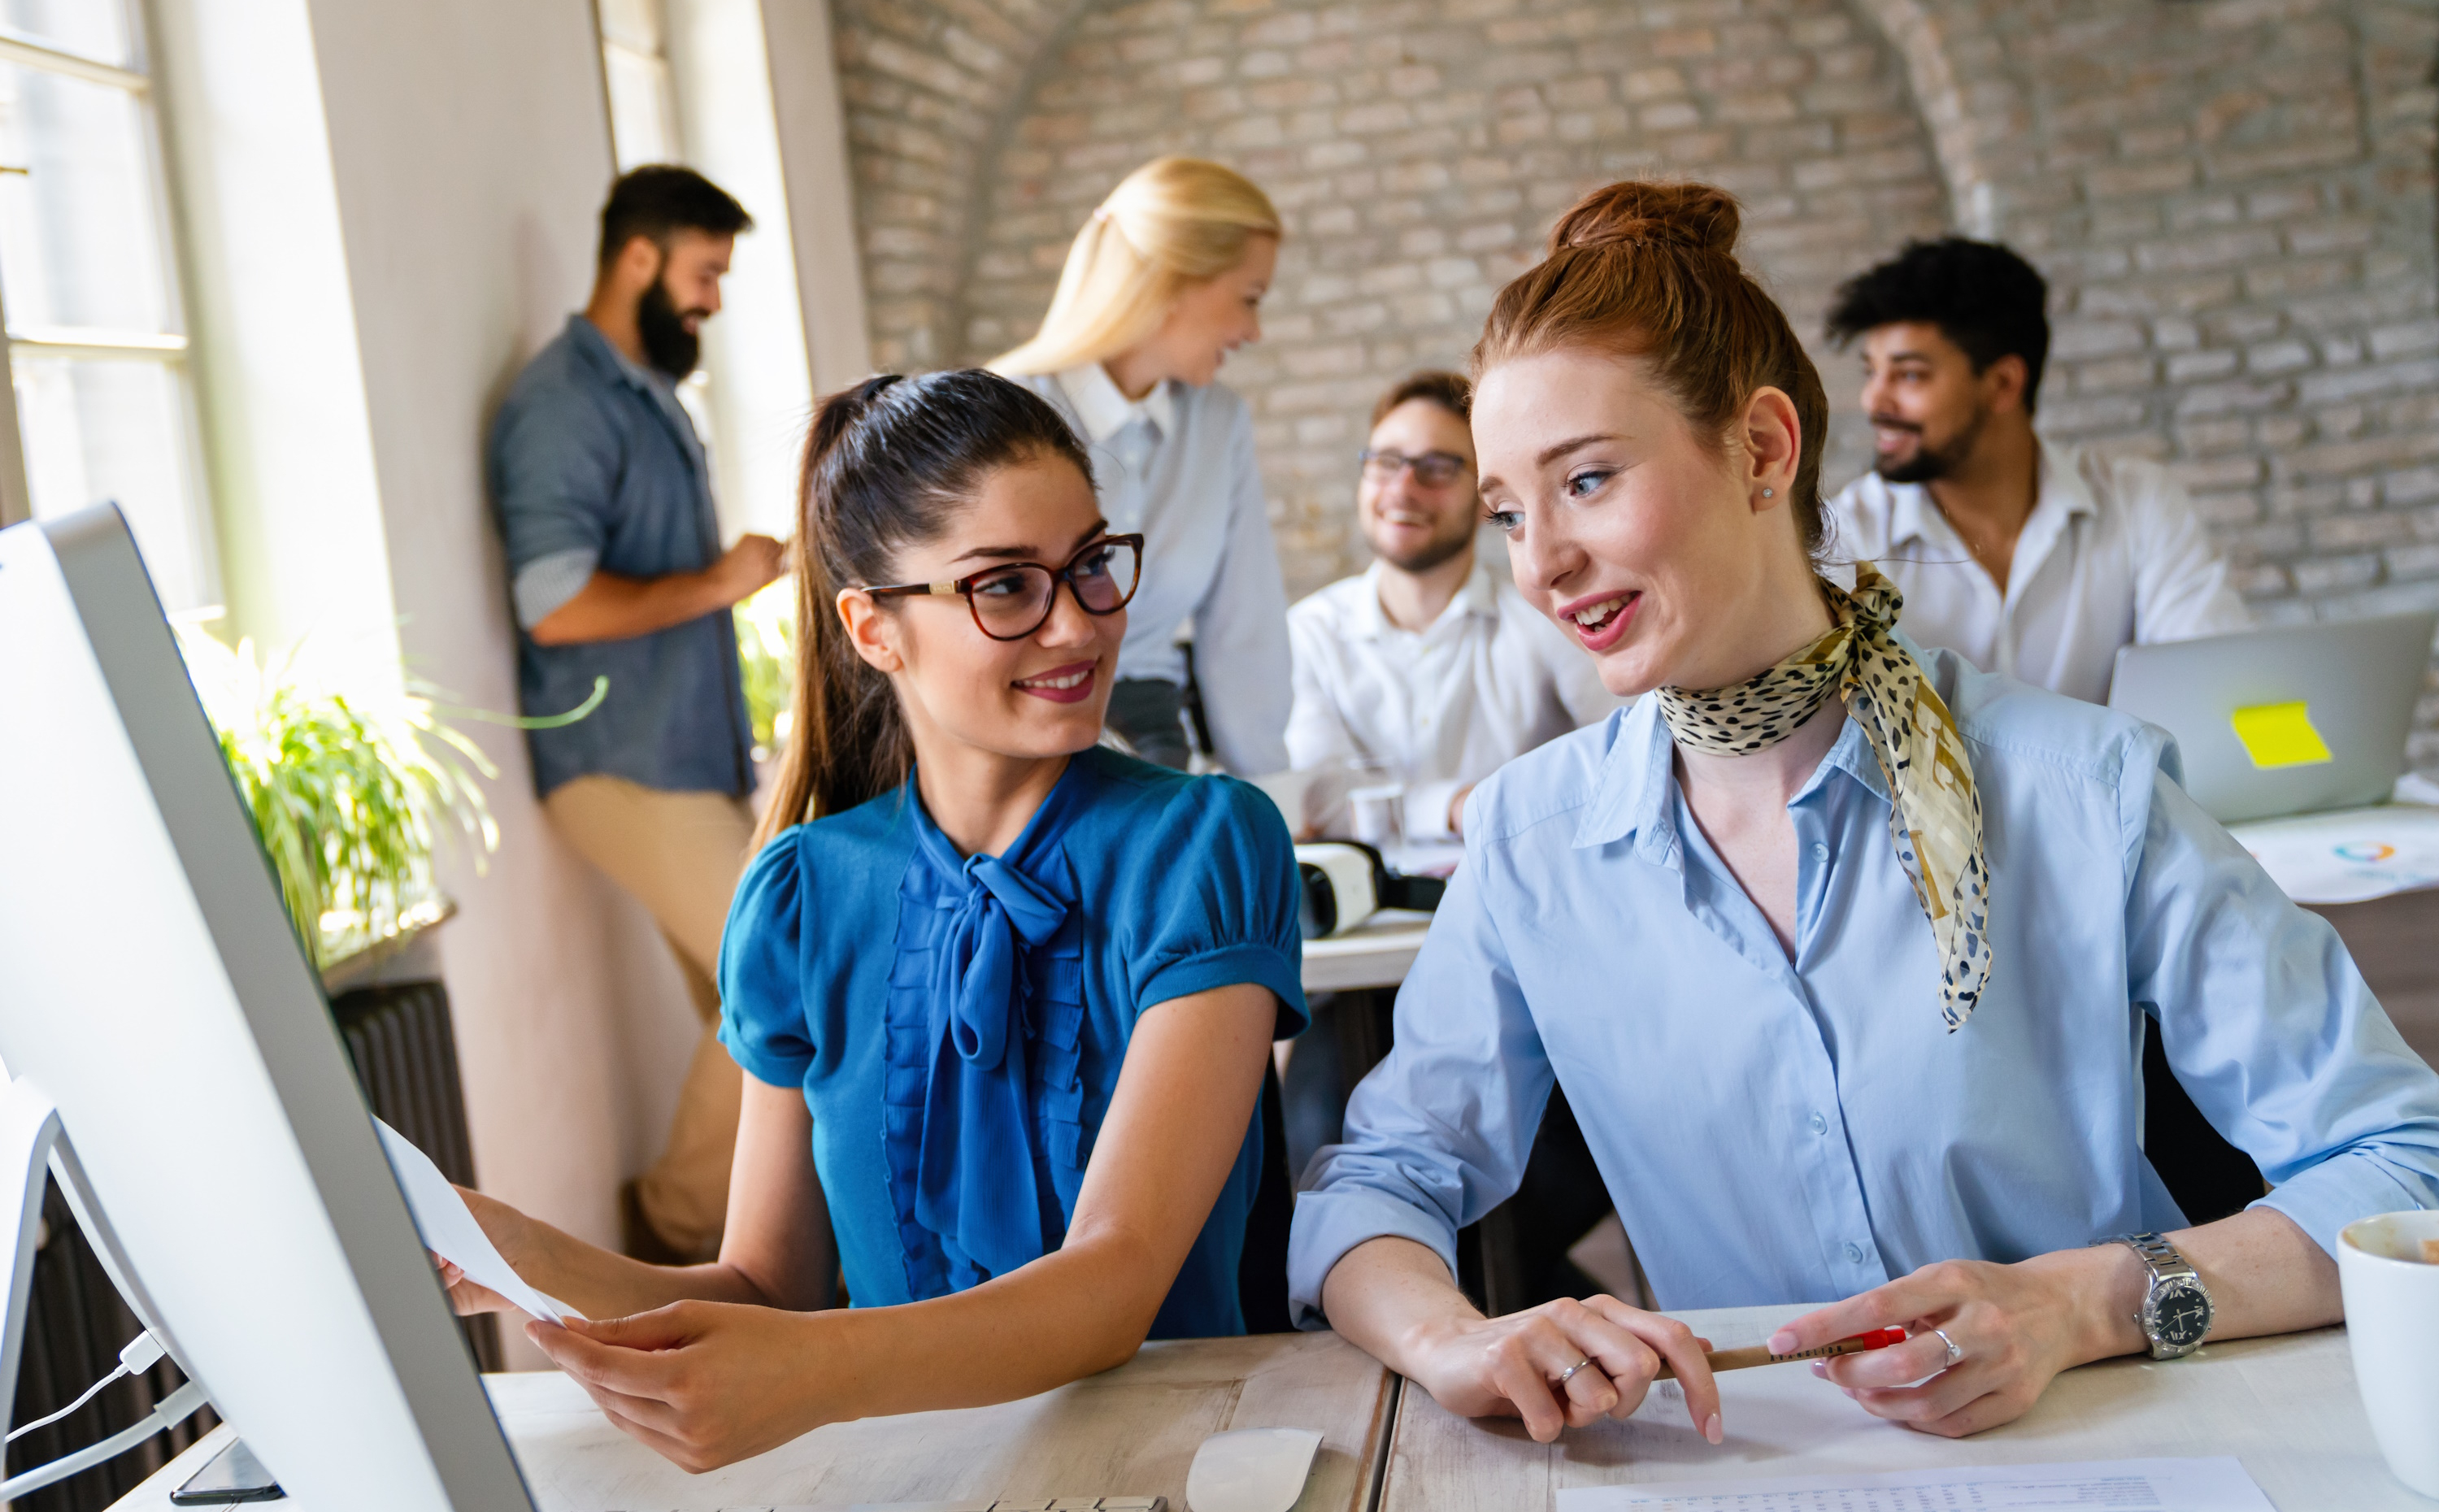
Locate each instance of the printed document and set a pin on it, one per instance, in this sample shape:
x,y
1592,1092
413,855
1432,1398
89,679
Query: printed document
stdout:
x,y
2218,1485
449,1230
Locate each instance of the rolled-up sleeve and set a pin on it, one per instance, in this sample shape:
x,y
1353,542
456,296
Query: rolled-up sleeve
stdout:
x,y
2268,1023
555,464
1437,1135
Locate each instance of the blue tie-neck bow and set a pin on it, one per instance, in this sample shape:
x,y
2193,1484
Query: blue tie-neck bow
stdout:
x,y
975,1185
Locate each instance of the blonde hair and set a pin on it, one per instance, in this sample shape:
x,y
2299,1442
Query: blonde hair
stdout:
x,y
1170,225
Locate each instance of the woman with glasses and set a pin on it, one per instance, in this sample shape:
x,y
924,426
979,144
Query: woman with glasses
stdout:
x,y
1003,996
1429,664
1162,283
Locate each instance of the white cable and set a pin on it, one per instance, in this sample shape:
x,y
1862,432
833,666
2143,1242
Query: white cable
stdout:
x,y
141,1354
90,1391
175,1409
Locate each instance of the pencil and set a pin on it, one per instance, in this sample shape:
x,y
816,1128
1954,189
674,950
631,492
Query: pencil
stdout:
x,y
1746,1358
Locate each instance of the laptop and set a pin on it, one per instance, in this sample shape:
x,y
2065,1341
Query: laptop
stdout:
x,y
2287,721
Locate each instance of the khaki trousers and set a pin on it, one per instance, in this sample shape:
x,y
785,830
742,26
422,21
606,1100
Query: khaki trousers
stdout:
x,y
680,855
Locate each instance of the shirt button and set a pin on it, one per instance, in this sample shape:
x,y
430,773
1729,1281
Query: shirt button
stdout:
x,y
1820,851
1819,1125
1854,1255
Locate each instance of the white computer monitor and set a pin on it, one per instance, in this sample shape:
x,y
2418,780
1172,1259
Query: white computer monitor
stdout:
x,y
152,989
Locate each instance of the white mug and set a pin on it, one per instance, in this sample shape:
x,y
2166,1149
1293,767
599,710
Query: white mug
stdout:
x,y
2391,1298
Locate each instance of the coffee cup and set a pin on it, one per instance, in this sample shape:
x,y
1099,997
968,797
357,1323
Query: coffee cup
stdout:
x,y
2392,1296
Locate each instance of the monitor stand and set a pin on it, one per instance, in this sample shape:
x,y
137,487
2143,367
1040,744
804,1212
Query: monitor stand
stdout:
x,y
33,1143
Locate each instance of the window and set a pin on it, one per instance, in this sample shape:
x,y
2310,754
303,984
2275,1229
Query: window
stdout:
x,y
96,334
635,66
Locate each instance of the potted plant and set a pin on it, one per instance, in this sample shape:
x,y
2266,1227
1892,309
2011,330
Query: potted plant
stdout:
x,y
351,786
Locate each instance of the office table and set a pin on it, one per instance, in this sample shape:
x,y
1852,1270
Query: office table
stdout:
x,y
2285,1406
1131,1430
1375,953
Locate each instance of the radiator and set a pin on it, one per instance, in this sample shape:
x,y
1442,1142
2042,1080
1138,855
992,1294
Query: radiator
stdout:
x,y
405,1057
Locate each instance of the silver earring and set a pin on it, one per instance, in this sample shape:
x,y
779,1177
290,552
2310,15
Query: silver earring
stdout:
x,y
1769,493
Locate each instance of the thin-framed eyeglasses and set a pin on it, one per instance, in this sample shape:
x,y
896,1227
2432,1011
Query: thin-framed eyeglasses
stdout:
x,y
1432,470
1013,599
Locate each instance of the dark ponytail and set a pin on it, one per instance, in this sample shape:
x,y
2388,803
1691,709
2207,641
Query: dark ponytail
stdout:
x,y
887,465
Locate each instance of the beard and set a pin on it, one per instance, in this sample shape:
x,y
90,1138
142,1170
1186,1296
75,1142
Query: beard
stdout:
x,y
1437,550
1928,462
668,345
1431,553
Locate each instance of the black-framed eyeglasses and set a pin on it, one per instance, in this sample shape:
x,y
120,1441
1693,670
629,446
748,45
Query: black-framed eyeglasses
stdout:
x,y
1013,599
1432,470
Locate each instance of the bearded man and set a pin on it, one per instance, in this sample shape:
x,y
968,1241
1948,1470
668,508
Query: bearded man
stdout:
x,y
2027,558
1429,664
616,570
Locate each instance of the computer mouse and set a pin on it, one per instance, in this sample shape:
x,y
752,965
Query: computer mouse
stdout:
x,y
1252,1470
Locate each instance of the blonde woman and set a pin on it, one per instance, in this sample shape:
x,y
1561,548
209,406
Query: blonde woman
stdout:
x,y
1163,282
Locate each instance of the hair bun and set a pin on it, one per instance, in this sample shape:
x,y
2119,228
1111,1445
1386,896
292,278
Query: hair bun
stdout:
x,y
1694,216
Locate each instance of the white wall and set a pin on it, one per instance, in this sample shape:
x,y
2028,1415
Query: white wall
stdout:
x,y
470,147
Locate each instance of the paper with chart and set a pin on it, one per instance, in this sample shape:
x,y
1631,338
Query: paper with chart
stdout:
x,y
2347,856
449,1230
2218,1485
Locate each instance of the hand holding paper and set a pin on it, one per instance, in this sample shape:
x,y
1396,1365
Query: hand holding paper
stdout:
x,y
450,1231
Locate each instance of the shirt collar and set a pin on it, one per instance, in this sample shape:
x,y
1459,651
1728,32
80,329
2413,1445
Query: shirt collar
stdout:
x,y
2057,483
2058,479
1477,594
1632,789
1105,411
592,339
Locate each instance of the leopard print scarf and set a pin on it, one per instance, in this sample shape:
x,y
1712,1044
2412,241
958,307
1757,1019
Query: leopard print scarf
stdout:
x,y
1935,818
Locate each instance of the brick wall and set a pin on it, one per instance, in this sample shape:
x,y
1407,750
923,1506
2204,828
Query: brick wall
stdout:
x,y
2232,198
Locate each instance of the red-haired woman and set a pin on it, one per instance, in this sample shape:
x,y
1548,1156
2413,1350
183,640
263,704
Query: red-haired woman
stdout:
x,y
1843,951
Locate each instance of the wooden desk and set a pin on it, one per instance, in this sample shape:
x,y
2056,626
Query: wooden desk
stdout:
x,y
2285,1406
1131,1430
2390,939
1375,953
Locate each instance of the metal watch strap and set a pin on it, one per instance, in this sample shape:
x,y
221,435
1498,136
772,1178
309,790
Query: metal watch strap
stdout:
x,y
2165,1264
2158,1254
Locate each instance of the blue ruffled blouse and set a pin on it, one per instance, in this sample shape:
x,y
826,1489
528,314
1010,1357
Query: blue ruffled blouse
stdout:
x,y
958,1022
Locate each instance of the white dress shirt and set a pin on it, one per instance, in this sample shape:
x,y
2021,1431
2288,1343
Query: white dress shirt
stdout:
x,y
1445,706
2111,555
1179,466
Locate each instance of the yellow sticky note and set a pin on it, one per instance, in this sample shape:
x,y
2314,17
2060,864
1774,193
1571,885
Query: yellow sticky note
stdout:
x,y
2280,735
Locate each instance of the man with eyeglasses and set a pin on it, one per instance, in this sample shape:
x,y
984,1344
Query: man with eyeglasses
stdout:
x,y
1429,664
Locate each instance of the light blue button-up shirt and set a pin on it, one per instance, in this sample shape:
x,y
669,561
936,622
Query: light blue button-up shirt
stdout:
x,y
1800,1129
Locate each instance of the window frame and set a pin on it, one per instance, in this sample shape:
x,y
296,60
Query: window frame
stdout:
x,y
172,349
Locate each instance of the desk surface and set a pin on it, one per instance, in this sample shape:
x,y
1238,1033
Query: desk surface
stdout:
x,y
2287,1406
1375,953
1131,1430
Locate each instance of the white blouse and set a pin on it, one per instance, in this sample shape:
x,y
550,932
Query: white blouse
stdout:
x,y
1179,466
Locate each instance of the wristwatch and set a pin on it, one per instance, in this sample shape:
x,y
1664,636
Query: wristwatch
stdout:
x,y
2176,1311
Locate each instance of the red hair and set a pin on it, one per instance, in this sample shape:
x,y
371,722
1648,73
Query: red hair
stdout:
x,y
1649,271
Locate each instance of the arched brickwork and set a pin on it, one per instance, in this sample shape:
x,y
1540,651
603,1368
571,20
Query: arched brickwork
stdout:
x,y
1419,155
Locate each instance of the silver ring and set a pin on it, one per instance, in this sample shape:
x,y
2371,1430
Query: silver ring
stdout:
x,y
1954,1354
1568,1374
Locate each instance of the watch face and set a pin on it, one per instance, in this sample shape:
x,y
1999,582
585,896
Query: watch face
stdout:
x,y
2180,1314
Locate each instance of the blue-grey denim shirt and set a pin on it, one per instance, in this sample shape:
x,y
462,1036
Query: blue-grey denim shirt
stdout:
x,y
593,466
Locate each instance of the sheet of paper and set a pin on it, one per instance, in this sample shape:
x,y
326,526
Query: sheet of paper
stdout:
x,y
448,1229
2349,855
2218,1485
